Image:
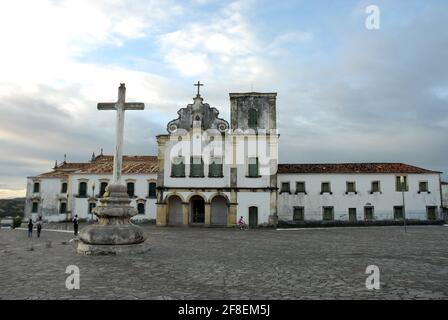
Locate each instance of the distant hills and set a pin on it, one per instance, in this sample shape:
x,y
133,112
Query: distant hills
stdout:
x,y
12,207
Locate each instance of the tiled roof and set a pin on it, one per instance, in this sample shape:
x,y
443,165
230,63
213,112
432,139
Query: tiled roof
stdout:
x,y
351,168
63,170
54,174
131,164
104,164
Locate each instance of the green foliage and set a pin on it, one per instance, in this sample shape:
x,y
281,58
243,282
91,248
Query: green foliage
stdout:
x,y
17,222
12,207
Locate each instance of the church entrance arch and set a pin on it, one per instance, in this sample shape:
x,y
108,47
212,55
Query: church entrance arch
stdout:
x,y
197,210
219,207
174,210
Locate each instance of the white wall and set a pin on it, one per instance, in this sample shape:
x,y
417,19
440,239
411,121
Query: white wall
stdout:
x,y
261,200
81,206
445,195
50,192
383,202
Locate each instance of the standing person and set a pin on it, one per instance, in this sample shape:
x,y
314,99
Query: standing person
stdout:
x,y
30,228
75,224
39,226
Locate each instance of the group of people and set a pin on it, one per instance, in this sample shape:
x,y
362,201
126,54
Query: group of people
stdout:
x,y
39,224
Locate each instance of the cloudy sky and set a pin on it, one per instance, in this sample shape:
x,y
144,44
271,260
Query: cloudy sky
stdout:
x,y
345,93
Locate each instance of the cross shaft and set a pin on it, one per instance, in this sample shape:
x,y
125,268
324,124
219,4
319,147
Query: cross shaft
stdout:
x,y
120,106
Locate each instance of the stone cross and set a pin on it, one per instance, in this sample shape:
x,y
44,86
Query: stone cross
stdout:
x,y
120,106
198,85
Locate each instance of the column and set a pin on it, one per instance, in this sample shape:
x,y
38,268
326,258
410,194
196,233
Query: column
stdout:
x,y
208,215
231,216
185,213
161,214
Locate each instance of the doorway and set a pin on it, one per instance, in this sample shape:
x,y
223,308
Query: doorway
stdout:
x,y
197,207
253,217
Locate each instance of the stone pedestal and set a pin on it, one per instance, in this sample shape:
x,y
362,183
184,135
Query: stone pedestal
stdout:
x,y
113,233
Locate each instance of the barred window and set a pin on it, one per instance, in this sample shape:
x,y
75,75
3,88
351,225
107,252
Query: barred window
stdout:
x,y
215,167
178,167
298,214
196,167
253,167
152,187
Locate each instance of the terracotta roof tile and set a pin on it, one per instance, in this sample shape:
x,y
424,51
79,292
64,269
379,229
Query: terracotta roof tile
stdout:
x,y
131,164
104,164
54,174
351,168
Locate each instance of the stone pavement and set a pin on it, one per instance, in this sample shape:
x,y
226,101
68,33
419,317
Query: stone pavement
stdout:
x,y
209,263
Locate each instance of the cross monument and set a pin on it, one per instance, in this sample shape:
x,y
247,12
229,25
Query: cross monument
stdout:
x,y
120,106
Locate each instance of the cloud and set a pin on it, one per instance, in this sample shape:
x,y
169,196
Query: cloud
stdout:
x,y
223,43
344,93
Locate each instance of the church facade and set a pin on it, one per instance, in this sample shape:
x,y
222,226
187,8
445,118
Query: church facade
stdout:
x,y
210,172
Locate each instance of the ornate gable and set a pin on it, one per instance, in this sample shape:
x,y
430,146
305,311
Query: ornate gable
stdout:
x,y
198,114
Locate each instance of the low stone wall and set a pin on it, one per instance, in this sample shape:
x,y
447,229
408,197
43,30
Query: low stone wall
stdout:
x,y
325,224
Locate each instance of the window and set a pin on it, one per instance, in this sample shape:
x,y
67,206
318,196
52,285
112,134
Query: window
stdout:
x,y
375,187
253,118
285,187
401,186
298,214
36,187
82,189
325,188
91,206
352,214
253,167
131,189
178,167
328,214
398,213
215,168
423,186
64,187
35,207
103,187
63,208
431,213
351,187
368,213
196,167
141,208
300,187
152,187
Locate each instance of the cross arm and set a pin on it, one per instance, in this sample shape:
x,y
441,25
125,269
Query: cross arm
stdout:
x,y
107,106
134,106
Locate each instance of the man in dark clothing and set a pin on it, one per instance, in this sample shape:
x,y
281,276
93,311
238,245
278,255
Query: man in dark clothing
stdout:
x,y
75,224
30,228
39,226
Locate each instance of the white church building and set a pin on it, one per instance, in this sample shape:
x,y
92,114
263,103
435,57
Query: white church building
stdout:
x,y
210,172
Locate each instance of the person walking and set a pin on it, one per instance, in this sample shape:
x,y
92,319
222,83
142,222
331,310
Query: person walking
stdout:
x,y
75,224
39,226
30,228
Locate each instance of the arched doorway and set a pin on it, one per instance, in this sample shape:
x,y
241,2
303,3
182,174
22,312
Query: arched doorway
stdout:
x,y
219,208
174,210
197,210
253,217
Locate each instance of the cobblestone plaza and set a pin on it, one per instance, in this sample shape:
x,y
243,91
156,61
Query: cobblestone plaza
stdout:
x,y
212,263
